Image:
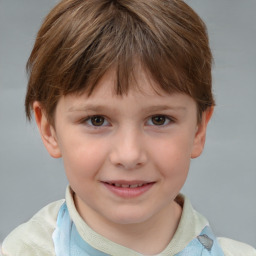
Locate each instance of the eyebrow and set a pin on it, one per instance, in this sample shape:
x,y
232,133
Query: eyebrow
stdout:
x,y
88,107
100,108
164,107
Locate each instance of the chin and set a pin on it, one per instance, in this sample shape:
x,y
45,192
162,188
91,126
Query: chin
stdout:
x,y
129,217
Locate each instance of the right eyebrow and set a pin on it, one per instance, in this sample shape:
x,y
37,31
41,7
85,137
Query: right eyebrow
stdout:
x,y
89,107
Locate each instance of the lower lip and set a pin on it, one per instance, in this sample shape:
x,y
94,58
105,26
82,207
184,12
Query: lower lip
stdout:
x,y
129,192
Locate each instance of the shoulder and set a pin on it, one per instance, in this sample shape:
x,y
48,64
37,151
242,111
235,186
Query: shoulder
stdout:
x,y
35,236
235,248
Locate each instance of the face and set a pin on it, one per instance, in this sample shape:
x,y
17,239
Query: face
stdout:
x,y
126,157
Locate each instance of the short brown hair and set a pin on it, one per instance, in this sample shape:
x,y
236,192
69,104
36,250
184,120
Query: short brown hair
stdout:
x,y
80,40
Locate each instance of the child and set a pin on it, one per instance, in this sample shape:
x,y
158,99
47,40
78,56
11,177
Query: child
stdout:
x,y
121,90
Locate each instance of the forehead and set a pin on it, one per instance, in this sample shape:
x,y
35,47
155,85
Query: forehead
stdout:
x,y
144,95
139,82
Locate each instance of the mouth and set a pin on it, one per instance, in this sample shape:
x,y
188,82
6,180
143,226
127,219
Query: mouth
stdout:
x,y
128,189
120,185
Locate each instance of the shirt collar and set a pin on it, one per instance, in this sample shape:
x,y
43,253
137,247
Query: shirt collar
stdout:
x,y
190,226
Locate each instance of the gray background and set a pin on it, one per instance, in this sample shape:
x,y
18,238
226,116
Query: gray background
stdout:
x,y
221,183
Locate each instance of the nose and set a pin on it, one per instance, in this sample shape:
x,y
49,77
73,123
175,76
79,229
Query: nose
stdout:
x,y
128,151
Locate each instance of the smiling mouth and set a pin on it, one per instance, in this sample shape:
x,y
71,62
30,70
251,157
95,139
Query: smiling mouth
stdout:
x,y
128,189
127,185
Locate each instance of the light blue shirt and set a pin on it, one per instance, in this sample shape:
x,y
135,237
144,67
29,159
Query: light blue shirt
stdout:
x,y
68,242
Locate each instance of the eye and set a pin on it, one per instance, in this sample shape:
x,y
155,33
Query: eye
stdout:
x,y
96,121
159,120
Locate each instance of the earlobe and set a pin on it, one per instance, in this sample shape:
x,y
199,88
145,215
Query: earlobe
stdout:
x,y
47,131
200,135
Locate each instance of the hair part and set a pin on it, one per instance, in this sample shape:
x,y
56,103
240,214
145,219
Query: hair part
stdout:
x,y
80,41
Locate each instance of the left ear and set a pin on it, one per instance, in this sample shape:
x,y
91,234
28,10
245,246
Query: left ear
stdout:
x,y
200,135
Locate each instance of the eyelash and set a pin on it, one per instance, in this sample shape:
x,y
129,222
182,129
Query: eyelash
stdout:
x,y
88,119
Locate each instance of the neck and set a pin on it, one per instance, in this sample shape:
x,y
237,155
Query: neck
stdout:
x,y
156,232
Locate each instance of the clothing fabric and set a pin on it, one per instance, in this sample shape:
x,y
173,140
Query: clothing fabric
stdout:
x,y
36,237
68,242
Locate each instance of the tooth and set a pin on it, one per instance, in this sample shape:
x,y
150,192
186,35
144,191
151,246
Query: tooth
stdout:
x,y
125,186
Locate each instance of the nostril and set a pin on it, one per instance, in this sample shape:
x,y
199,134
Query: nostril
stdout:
x,y
128,160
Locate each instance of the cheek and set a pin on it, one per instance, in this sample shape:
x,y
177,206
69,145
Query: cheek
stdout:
x,y
172,156
83,157
173,163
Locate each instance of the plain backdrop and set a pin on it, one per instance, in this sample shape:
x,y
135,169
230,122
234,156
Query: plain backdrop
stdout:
x,y
221,183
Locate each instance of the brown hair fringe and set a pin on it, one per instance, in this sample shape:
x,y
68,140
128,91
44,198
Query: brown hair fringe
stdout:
x,y
80,40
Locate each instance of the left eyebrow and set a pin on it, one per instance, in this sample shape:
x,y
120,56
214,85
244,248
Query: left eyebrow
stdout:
x,y
164,107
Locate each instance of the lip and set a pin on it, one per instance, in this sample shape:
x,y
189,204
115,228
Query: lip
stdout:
x,y
131,191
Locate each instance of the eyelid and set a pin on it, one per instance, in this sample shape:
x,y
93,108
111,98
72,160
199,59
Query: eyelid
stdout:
x,y
169,118
106,123
87,118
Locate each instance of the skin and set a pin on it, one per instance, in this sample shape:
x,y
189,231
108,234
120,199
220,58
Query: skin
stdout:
x,y
142,137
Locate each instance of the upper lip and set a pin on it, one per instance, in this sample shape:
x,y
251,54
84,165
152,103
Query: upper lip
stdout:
x,y
126,182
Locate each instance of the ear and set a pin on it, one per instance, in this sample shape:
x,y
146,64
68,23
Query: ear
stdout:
x,y
47,131
200,135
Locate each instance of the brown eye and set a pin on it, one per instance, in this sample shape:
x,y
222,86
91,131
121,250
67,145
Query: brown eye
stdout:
x,y
158,120
97,120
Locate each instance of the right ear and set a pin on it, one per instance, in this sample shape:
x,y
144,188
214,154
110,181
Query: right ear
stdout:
x,y
47,131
